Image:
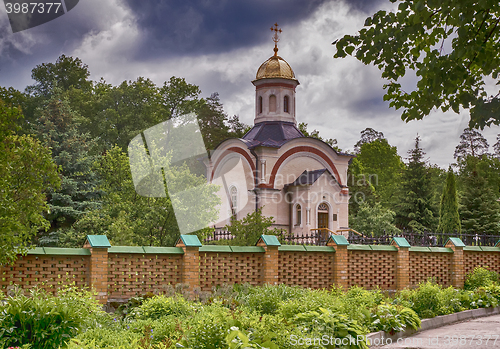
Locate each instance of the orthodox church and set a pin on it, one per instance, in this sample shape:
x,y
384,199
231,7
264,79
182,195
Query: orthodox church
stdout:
x,y
300,181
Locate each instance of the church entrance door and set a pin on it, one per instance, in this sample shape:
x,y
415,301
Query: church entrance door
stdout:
x,y
323,220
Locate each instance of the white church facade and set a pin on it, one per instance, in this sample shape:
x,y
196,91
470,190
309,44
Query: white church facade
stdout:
x,y
300,181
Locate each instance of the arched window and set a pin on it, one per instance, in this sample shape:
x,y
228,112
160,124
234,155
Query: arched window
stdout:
x,y
299,215
285,104
260,104
272,103
234,201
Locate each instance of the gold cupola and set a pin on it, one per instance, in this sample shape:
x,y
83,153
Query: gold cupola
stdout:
x,y
275,85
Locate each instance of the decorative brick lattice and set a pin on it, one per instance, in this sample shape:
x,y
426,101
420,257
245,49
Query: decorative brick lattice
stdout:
x,y
229,268
306,269
46,272
425,265
130,274
474,259
369,269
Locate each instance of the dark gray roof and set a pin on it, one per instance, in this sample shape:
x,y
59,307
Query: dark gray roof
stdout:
x,y
308,177
271,134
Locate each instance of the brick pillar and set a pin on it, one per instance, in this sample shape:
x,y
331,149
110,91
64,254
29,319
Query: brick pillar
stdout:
x,y
271,259
402,263
457,262
98,246
190,276
341,262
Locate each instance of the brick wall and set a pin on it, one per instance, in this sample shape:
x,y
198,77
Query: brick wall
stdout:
x,y
119,272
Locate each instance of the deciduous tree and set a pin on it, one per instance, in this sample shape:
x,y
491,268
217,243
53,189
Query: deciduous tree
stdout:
x,y
416,36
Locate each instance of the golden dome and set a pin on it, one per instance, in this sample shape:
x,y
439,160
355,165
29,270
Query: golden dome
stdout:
x,y
275,67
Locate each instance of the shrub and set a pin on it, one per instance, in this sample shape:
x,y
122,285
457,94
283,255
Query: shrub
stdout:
x,y
47,321
425,299
159,306
480,277
266,299
393,318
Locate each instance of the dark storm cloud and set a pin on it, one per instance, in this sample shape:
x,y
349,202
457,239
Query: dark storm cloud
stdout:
x,y
204,27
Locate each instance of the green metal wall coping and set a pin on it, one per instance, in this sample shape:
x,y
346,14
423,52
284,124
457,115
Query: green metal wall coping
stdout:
x,y
98,241
294,248
244,249
319,248
339,240
441,249
190,240
482,248
383,248
490,249
419,249
269,240
401,242
60,251
163,250
215,248
455,241
145,249
359,247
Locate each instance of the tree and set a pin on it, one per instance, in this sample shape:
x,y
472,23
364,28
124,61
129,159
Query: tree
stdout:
x,y
57,127
368,135
382,167
471,143
131,219
332,142
360,188
496,147
415,207
247,231
374,220
65,73
479,211
416,37
449,219
26,170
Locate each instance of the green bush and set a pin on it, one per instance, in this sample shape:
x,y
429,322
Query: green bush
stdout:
x,y
480,277
393,318
425,299
47,321
266,299
159,306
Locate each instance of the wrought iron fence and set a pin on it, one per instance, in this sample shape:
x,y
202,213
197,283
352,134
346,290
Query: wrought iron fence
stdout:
x,y
319,238
425,239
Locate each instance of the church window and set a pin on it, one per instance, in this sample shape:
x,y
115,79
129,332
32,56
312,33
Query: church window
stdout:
x,y
323,207
234,201
285,104
272,103
260,104
299,215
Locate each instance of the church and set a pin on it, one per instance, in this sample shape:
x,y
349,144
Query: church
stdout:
x,y
299,181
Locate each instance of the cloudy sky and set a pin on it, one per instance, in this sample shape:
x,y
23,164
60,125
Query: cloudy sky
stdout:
x,y
219,44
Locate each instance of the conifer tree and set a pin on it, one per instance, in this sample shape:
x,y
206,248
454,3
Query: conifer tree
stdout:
x,y
415,208
480,210
57,127
449,219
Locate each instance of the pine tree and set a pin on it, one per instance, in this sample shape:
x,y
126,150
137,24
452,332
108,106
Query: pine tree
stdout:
x,y
471,143
415,209
449,219
480,210
57,126
496,147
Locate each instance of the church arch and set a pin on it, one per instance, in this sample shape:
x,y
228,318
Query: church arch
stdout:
x,y
298,215
299,149
232,151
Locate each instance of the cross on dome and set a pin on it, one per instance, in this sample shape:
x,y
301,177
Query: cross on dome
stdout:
x,y
276,37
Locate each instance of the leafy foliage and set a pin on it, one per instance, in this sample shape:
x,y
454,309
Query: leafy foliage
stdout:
x,y
247,231
480,277
374,220
26,170
415,36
